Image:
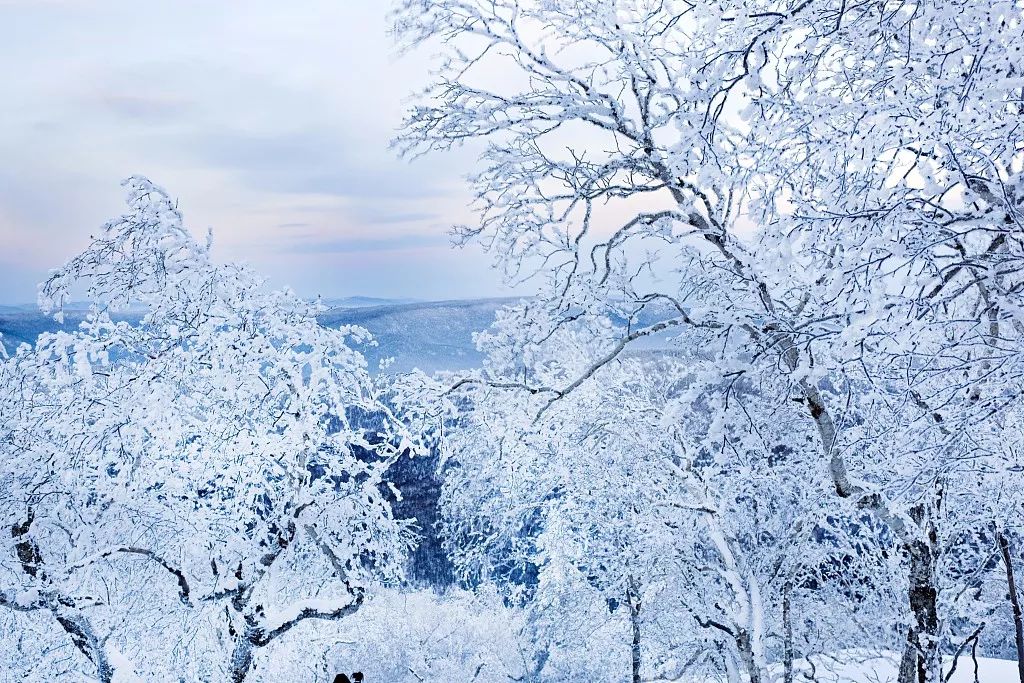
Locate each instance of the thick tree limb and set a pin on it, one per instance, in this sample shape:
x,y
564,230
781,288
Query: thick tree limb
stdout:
x,y
184,592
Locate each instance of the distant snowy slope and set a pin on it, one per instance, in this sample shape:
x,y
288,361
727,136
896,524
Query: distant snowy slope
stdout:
x,y
431,336
22,325
363,301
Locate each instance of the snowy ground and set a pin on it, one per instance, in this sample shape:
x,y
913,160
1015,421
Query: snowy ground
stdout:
x,y
880,669
864,667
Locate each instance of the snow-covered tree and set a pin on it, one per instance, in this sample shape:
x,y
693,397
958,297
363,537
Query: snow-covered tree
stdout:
x,y
825,192
644,494
185,490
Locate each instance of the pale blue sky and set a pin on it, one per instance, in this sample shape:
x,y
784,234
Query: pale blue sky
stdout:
x,y
268,120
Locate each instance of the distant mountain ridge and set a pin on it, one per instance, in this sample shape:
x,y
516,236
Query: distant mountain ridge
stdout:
x,y
363,301
23,325
429,335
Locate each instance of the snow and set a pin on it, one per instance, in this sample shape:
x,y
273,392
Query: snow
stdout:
x,y
858,666
864,668
124,671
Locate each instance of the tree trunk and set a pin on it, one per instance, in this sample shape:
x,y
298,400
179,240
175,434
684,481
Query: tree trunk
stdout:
x,y
241,659
922,642
1011,585
746,650
85,640
538,666
634,618
78,627
974,658
787,634
908,663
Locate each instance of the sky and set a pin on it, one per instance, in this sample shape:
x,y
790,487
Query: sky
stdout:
x,y
269,121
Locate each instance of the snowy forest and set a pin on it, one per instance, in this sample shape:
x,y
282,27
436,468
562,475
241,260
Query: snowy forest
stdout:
x,y
757,417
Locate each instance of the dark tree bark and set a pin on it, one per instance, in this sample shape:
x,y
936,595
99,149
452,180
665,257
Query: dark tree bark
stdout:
x,y
634,618
76,625
255,634
908,662
1011,586
746,651
973,641
82,635
787,634
922,646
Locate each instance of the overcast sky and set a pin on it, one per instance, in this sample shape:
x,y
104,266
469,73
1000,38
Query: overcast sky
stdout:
x,y
268,120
